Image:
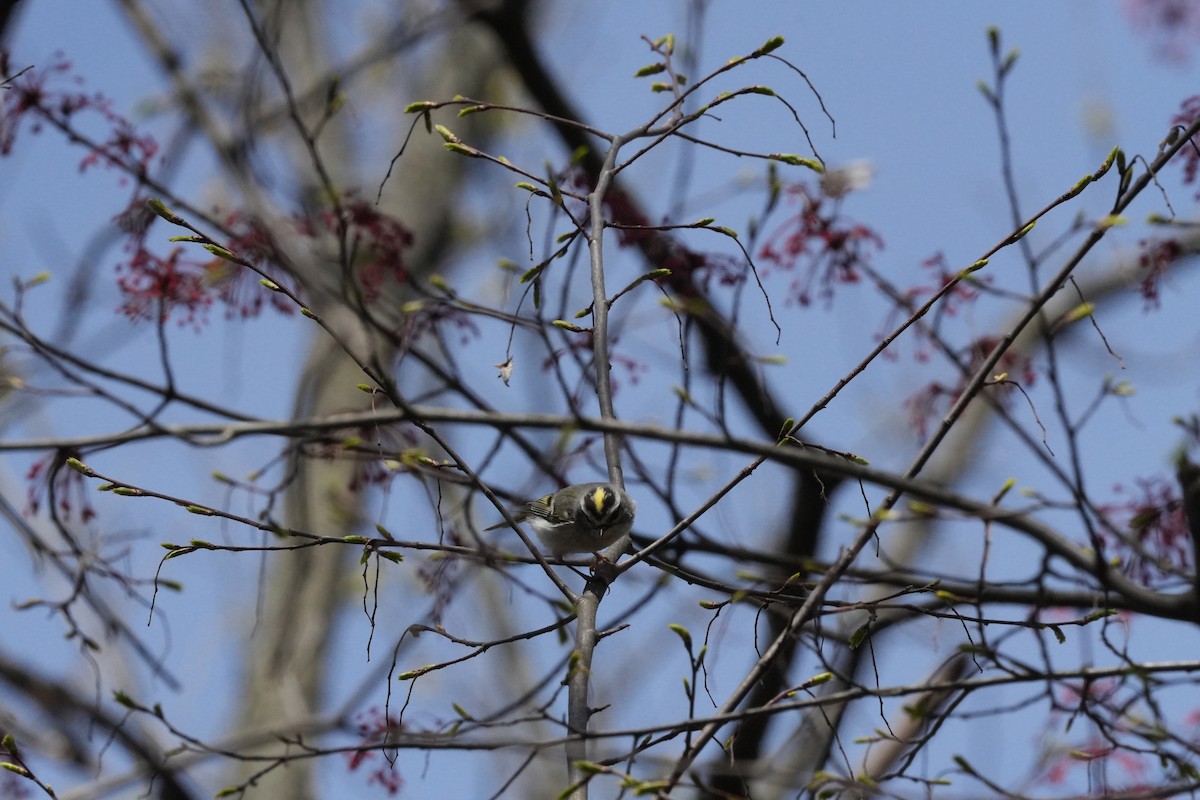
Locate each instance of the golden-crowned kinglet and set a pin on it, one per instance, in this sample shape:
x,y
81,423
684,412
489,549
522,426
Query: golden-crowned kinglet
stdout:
x,y
583,518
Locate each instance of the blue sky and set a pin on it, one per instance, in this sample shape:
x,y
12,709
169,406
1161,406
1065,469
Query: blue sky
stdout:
x,y
901,82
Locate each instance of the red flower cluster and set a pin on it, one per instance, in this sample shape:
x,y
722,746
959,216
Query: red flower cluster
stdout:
x,y
1174,24
1155,541
820,243
49,476
31,97
936,398
155,286
374,728
384,238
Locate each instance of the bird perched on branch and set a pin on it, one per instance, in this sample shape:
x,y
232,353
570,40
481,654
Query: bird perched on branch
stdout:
x,y
581,518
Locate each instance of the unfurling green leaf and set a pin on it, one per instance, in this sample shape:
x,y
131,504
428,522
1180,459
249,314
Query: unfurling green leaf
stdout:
x,y
986,91
921,508
798,161
772,44
1107,165
79,466
1081,311
462,149
221,252
819,678
160,208
1025,230
1010,60
859,636
683,634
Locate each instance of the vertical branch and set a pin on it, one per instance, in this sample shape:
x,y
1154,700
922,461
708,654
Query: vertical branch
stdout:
x,y
578,679
600,309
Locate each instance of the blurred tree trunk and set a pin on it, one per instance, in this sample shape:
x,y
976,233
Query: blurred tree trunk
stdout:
x,y
286,666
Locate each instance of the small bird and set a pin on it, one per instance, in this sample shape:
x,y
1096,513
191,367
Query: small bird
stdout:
x,y
582,518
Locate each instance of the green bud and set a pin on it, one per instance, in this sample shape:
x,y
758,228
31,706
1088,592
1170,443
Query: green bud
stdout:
x,y
774,43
